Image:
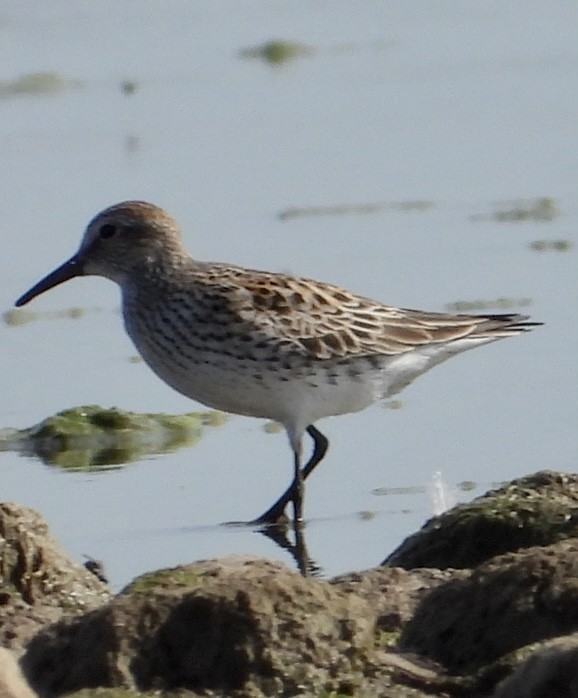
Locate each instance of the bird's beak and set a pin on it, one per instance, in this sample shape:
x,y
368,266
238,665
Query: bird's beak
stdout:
x,y
73,267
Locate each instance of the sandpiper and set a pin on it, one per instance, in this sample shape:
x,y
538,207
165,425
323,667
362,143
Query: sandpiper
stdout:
x,y
262,344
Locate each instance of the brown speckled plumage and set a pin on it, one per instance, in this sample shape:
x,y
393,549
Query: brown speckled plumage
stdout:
x,y
258,343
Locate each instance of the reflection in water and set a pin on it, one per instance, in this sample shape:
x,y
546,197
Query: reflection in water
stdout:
x,y
279,534
289,536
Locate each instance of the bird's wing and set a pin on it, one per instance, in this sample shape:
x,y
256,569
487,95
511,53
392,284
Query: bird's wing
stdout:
x,y
328,322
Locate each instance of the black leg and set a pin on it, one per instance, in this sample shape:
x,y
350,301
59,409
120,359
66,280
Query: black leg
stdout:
x,y
275,512
297,491
320,446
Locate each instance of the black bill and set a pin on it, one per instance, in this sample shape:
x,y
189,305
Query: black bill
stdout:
x,y
66,271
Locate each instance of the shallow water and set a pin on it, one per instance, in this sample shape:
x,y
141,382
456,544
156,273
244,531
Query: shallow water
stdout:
x,y
470,109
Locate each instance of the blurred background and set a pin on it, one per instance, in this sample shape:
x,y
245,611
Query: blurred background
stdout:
x,y
420,153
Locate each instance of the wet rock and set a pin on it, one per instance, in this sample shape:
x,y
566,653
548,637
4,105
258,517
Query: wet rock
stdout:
x,y
504,604
246,627
536,510
237,626
39,583
393,592
550,671
229,625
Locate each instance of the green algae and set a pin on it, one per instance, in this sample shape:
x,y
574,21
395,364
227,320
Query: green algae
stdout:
x,y
386,639
93,437
551,245
392,405
272,427
542,210
363,208
165,578
539,509
276,52
40,83
279,51
16,317
128,87
481,305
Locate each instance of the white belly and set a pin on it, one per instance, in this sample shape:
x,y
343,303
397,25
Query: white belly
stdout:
x,y
293,390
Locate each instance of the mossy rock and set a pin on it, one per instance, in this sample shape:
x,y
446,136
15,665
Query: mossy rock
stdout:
x,y
96,437
538,509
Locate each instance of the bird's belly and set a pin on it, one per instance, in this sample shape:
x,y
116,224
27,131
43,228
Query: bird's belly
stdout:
x,y
224,373
305,391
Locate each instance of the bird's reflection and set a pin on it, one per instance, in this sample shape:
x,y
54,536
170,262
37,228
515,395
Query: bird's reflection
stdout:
x,y
290,536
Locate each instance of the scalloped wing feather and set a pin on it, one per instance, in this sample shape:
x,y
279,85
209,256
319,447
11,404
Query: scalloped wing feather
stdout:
x,y
327,322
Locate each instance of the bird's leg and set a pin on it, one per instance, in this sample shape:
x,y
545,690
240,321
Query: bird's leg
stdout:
x,y
297,490
275,512
320,446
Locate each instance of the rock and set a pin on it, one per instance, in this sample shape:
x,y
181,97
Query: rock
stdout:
x,y
229,625
536,510
12,683
550,672
393,592
504,604
40,584
250,628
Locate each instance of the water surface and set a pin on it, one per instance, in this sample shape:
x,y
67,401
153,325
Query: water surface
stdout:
x,y
470,109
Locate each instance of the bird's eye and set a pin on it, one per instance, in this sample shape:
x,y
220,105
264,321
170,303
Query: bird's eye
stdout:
x,y
107,231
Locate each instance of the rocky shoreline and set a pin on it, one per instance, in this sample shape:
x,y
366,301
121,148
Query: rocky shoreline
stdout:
x,y
482,601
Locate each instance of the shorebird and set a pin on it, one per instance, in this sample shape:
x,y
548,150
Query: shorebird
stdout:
x,y
263,344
